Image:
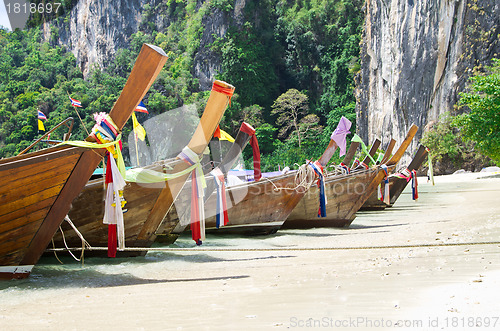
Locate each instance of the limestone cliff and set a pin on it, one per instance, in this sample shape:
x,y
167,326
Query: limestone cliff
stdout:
x,y
95,29
416,56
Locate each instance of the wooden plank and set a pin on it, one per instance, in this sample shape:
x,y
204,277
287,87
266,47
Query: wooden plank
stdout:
x,y
24,201
19,196
11,165
328,153
388,151
26,175
418,159
148,65
42,204
406,142
350,153
22,220
216,105
373,150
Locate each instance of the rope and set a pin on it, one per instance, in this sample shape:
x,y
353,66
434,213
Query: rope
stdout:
x,y
336,170
79,234
304,177
169,249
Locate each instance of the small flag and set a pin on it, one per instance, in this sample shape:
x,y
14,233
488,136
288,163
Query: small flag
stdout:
x,y
223,135
138,128
41,115
40,126
141,108
75,103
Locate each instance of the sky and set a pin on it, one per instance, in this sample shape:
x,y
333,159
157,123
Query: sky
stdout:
x,y
4,19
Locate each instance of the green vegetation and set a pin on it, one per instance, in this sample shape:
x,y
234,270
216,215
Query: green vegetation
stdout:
x,y
482,124
445,142
270,49
471,138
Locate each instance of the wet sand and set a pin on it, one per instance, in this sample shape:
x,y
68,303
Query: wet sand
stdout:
x,y
427,265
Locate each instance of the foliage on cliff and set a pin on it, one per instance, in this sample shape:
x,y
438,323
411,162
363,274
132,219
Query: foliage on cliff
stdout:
x,y
481,124
308,46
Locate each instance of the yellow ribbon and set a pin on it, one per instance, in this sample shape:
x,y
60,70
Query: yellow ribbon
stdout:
x,y
88,144
141,175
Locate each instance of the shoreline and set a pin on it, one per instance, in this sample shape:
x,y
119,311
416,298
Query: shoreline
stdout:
x,y
284,280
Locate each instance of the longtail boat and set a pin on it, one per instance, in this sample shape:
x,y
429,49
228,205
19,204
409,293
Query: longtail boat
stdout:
x,y
345,194
38,187
397,182
147,202
171,227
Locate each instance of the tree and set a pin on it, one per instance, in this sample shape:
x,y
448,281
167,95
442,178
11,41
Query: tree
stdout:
x,y
482,124
290,107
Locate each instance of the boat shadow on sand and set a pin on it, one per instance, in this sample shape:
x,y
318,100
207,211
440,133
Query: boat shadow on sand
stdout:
x,y
95,275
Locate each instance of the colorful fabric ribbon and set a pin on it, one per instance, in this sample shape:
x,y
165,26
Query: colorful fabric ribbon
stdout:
x,y
198,184
345,167
356,138
385,197
221,209
105,131
405,174
414,185
355,164
248,129
340,133
318,169
223,135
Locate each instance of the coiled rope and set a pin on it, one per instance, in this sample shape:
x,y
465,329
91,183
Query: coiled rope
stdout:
x,y
304,177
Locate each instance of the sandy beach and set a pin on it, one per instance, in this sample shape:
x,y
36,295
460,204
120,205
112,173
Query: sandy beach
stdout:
x,y
427,265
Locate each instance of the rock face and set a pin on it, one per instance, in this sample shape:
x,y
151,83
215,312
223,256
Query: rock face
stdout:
x,y
416,56
96,29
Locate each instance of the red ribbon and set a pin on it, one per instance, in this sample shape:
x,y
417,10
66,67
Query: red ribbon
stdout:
x,y
224,90
112,237
195,211
248,129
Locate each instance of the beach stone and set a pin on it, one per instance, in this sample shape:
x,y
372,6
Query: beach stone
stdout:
x,y
460,171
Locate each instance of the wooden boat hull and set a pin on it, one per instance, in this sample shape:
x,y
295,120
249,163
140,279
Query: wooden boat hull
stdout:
x,y
396,185
37,190
38,187
255,208
343,194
